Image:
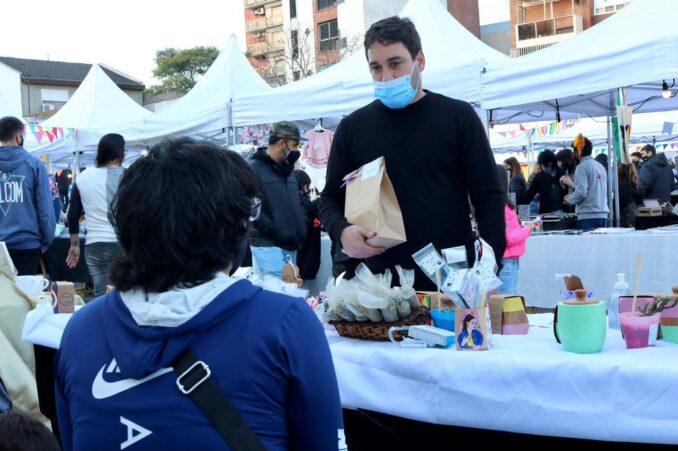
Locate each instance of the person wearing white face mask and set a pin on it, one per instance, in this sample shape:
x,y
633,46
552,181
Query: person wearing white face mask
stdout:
x,y
436,152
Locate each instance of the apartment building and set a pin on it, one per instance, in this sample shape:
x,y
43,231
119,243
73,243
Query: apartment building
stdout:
x,y
266,39
292,39
536,24
519,27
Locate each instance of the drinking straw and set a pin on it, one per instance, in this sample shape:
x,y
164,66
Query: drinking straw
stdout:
x,y
639,263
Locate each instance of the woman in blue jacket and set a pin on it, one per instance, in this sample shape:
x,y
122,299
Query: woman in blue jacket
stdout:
x,y
182,215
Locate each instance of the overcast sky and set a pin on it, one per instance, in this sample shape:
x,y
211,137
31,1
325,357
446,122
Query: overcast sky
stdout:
x,y
123,34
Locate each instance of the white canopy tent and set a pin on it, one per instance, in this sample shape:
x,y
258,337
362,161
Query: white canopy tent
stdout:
x,y
97,104
454,62
635,48
647,128
206,108
97,107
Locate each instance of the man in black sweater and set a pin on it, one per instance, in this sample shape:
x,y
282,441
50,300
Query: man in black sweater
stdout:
x,y
437,157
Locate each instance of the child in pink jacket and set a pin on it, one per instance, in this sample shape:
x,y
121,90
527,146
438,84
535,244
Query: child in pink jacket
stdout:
x,y
516,235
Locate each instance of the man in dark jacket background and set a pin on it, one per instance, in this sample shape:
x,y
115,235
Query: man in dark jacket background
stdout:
x,y
27,221
656,177
280,229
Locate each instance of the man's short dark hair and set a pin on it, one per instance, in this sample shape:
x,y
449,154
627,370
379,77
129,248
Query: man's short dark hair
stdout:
x,y
10,126
637,155
181,214
649,148
393,30
111,147
20,432
587,148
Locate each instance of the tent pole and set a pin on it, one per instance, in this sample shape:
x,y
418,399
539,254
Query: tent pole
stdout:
x,y
611,154
623,98
487,120
230,124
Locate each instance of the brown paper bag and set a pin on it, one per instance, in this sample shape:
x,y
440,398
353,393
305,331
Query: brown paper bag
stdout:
x,y
290,274
371,203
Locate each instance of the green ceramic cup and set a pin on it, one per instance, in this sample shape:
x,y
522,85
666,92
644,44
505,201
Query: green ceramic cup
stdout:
x,y
581,328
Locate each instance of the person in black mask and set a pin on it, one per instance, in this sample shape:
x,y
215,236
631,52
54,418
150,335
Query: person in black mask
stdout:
x,y
280,229
546,184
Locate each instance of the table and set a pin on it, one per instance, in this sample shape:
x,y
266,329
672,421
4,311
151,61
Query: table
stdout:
x,y
525,384
596,259
648,222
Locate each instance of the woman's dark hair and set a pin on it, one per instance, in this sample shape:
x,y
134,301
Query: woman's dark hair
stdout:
x,y
111,147
392,30
181,214
10,126
503,176
302,178
547,158
513,163
602,159
467,319
19,431
566,156
627,173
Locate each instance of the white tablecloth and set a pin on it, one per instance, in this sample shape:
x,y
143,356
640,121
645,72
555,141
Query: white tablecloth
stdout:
x,y
596,259
525,384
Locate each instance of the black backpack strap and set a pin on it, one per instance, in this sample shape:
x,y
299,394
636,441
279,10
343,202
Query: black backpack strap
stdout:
x,y
194,380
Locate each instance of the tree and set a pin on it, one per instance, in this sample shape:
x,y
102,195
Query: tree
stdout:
x,y
179,70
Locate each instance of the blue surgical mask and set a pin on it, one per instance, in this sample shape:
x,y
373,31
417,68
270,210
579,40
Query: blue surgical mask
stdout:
x,y
396,93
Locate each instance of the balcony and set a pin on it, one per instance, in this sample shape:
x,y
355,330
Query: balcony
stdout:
x,y
257,3
263,23
262,48
548,31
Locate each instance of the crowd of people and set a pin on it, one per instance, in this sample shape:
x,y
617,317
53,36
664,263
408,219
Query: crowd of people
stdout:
x,y
169,231
573,181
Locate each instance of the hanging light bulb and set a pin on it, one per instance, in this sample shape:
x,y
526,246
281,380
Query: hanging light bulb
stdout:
x,y
666,92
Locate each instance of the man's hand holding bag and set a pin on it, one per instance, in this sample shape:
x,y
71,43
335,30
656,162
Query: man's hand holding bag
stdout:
x,y
371,203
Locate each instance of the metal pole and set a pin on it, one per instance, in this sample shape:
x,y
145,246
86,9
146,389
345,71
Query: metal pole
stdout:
x,y
611,154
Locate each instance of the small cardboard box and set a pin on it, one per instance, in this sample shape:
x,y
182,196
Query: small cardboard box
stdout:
x,y
508,315
473,329
64,292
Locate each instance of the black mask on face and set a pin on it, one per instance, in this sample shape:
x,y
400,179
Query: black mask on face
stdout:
x,y
21,143
292,156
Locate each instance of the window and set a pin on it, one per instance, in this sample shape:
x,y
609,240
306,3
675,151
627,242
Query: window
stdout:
x,y
293,9
609,6
329,35
295,44
323,4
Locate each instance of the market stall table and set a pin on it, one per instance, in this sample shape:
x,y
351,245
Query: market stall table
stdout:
x,y
597,259
649,222
525,384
